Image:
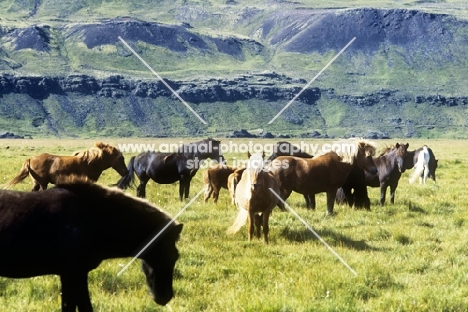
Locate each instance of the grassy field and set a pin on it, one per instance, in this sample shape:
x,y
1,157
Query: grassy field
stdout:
x,y
410,256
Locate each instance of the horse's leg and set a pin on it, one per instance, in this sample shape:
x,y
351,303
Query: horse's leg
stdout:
x,y
75,292
36,186
258,224
141,189
393,187
311,203
251,222
266,229
284,194
331,195
208,191
383,191
184,186
215,194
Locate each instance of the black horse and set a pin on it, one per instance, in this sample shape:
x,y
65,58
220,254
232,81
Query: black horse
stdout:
x,y
354,190
390,165
284,148
167,168
69,229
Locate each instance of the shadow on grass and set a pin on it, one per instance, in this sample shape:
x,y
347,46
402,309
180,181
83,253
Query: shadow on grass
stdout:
x,y
330,237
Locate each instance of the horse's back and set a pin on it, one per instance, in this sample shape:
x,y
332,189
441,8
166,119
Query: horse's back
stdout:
x,y
163,168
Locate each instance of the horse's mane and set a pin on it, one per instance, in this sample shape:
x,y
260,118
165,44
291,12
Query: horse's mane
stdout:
x,y
86,189
95,152
387,149
350,148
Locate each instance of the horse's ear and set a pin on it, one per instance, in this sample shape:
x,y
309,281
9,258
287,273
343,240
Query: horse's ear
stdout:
x,y
99,145
248,154
178,229
407,145
263,154
397,145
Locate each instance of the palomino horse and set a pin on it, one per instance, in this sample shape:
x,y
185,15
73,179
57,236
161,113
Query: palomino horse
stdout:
x,y
216,178
424,162
47,168
254,199
69,229
167,168
325,173
390,164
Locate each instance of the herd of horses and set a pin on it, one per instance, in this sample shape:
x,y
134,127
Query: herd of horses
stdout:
x,y
69,229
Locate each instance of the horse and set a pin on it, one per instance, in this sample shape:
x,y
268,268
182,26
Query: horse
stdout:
x,y
254,199
216,178
68,230
391,163
324,173
167,168
233,180
48,168
284,148
424,165
354,191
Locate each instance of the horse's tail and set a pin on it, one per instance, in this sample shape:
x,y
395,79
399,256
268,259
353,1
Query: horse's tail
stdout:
x,y
240,221
420,165
23,174
127,179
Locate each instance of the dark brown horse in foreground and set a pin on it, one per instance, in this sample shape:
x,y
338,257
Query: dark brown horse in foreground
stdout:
x,y
254,199
325,173
47,168
69,229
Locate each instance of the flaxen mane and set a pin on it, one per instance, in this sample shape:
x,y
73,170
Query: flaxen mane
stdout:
x,y
349,149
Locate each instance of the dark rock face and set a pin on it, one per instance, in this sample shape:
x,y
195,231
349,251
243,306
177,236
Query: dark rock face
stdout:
x,y
117,86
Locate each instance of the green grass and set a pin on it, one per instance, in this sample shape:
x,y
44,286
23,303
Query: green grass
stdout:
x,y
410,256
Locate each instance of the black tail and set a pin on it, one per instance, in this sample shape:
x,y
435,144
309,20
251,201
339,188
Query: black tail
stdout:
x,y
126,180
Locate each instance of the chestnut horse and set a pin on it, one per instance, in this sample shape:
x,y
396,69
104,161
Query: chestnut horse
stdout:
x,y
324,173
254,200
47,168
70,229
216,178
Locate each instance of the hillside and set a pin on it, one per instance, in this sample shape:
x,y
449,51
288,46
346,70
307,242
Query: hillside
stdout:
x,y
65,72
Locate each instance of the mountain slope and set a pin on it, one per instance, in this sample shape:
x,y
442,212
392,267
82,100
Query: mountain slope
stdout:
x,y
402,76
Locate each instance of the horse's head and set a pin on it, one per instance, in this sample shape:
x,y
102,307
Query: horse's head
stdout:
x,y
215,150
365,150
401,151
114,157
158,264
